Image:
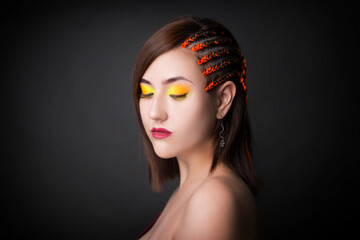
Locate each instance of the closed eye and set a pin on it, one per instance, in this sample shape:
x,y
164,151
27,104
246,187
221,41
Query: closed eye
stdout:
x,y
179,92
146,95
179,97
146,91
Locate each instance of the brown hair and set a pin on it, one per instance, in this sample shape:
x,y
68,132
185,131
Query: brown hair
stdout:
x,y
236,153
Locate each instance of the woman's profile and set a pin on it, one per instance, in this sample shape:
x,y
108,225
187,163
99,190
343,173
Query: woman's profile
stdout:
x,y
189,87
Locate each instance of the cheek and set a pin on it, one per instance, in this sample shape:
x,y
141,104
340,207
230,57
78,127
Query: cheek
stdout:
x,y
195,116
143,108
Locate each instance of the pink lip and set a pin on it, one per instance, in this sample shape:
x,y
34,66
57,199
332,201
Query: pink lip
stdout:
x,y
160,133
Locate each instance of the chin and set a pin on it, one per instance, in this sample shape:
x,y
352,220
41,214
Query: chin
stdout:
x,y
163,152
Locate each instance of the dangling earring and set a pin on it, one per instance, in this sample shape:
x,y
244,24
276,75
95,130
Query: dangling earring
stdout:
x,y
222,141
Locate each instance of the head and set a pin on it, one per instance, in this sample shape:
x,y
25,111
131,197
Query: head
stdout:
x,y
189,77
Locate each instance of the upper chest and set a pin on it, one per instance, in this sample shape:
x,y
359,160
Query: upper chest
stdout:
x,y
169,221
172,216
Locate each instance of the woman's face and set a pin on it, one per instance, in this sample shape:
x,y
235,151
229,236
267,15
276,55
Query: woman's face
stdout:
x,y
174,98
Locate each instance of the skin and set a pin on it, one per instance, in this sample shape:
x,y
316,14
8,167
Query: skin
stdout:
x,y
216,206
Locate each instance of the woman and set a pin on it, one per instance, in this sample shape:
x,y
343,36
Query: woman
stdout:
x,y
190,97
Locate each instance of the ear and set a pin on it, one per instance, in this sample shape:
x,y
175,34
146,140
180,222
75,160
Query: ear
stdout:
x,y
225,95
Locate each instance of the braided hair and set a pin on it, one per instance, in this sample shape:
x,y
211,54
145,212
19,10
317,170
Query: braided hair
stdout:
x,y
219,56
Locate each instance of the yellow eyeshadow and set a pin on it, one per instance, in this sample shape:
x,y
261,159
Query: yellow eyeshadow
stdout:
x,y
146,89
179,90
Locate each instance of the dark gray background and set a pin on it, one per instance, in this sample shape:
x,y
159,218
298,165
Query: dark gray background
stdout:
x,y
74,165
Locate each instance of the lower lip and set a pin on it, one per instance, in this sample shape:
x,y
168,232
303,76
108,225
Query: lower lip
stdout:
x,y
160,134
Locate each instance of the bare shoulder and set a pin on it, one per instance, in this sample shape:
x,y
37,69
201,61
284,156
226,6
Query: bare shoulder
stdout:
x,y
222,208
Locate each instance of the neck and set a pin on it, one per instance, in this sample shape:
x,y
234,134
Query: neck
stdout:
x,y
194,166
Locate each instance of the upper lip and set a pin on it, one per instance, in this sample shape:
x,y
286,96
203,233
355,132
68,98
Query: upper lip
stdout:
x,y
163,130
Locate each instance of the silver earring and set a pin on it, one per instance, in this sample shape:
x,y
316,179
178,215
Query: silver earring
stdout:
x,y
222,141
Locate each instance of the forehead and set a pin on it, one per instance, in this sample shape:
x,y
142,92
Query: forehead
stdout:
x,y
176,62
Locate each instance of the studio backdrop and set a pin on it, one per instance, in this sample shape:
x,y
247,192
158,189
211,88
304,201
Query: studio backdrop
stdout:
x,y
74,165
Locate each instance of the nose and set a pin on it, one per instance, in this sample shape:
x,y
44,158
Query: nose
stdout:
x,y
157,109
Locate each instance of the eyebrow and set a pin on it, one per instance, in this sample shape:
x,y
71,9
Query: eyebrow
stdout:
x,y
167,81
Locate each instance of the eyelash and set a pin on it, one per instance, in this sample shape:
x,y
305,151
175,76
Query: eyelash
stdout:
x,y
177,97
146,95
